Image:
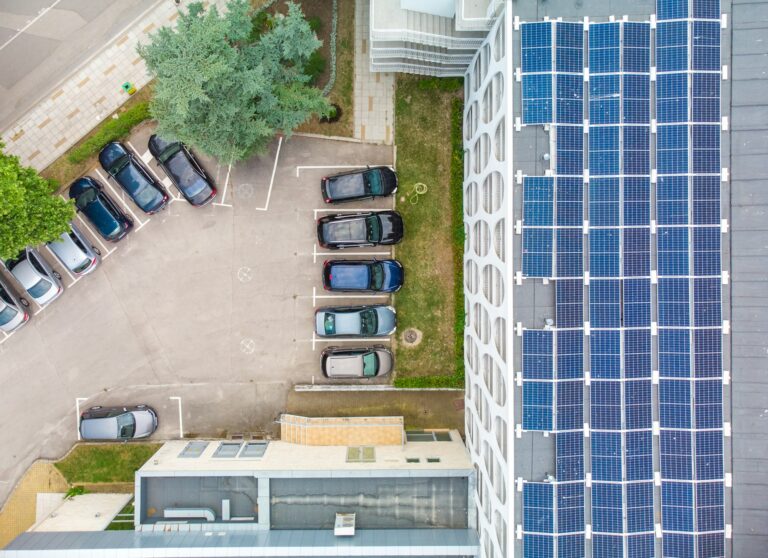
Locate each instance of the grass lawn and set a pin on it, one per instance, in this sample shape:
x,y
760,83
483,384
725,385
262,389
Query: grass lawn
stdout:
x,y
105,462
123,521
64,171
428,119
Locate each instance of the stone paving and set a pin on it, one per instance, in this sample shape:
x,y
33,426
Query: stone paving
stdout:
x,y
76,105
374,92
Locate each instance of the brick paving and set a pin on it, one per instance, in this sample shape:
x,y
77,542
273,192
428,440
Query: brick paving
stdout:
x,y
374,92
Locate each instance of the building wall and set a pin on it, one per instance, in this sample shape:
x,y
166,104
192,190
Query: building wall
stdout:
x,y
488,276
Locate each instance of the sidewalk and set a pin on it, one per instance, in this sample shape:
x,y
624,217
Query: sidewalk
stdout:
x,y
374,92
76,105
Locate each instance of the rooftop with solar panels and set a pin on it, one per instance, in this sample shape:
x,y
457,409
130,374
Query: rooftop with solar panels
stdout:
x,y
621,305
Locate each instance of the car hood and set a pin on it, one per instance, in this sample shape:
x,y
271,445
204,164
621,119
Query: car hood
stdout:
x,y
102,218
66,251
393,275
29,277
145,423
390,180
391,227
387,319
385,362
15,320
110,154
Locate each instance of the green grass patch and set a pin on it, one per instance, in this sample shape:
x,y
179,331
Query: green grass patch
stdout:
x,y
111,130
105,462
432,298
123,521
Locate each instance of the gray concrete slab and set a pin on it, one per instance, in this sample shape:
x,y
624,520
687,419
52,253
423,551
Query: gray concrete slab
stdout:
x,y
213,305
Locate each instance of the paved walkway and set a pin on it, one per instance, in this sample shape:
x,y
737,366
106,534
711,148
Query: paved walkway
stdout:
x,y
374,92
76,105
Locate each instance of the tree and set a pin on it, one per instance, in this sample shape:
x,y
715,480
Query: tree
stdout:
x,y
29,214
224,92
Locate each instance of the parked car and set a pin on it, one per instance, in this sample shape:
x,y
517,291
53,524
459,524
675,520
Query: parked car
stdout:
x,y
13,313
345,230
118,423
385,276
355,321
103,213
367,362
123,166
37,277
186,173
75,251
373,182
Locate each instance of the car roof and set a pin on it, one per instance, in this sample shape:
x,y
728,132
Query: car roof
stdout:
x,y
348,274
344,365
66,249
27,275
99,428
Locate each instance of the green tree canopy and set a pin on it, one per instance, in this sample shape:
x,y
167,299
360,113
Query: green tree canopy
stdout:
x,y
224,92
29,214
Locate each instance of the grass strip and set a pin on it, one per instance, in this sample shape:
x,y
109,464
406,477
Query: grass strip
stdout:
x,y
105,462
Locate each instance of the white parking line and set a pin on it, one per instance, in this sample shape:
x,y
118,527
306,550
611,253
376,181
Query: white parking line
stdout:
x,y
316,340
125,204
77,414
272,179
300,167
336,210
344,252
147,157
316,296
224,193
29,23
7,336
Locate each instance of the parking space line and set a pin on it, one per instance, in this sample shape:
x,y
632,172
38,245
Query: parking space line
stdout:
x,y
147,157
344,252
77,414
316,340
125,204
107,251
299,168
337,210
272,179
224,193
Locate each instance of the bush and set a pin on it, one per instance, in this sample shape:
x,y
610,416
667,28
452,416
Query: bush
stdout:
x,y
315,66
315,23
441,84
110,130
262,22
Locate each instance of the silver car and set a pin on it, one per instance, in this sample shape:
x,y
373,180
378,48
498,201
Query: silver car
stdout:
x,y
118,423
13,313
37,277
355,321
367,362
75,252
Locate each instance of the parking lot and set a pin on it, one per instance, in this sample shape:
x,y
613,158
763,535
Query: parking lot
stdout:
x,y
208,310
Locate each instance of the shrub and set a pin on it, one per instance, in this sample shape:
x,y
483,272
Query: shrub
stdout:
x,y
315,66
441,84
110,130
315,23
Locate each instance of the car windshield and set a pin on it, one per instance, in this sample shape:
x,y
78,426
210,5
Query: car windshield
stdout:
x,y
186,176
370,362
377,276
85,198
40,288
374,228
169,152
126,425
119,165
329,324
7,314
368,322
373,182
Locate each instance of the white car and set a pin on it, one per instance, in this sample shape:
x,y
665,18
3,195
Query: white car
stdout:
x,y
40,281
75,252
13,314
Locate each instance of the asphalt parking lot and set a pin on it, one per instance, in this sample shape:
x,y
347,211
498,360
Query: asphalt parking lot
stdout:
x,y
211,306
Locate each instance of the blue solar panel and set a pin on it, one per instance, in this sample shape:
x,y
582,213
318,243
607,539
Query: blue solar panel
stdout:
x,y
637,404
672,149
637,104
569,303
570,150
607,507
538,546
604,99
706,200
636,150
675,404
672,98
605,303
604,202
569,252
637,353
637,201
672,46
605,354
537,252
570,94
676,454
604,252
672,200
607,546
639,507
538,407
538,199
605,405
707,353
674,353
677,506
671,9
538,362
604,54
570,354
637,308
570,546
606,456
674,305
569,455
570,202
641,546
706,9
673,250
538,507
639,455
603,150
570,47
709,455
570,405
706,46
570,507
678,545
637,252
708,400
709,506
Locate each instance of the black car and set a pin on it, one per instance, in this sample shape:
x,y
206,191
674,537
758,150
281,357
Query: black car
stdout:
x,y
183,169
345,230
383,276
369,183
130,174
98,207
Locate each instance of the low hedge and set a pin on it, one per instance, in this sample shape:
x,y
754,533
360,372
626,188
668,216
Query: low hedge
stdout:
x,y
111,130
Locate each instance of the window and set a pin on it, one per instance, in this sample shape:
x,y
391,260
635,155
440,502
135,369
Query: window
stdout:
x,y
227,449
433,460
193,449
361,454
427,436
412,460
253,450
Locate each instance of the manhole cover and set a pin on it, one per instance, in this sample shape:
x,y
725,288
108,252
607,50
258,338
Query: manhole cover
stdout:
x,y
411,337
245,191
248,345
245,274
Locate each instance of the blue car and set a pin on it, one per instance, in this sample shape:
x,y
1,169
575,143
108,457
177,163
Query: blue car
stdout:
x,y
382,276
132,177
104,214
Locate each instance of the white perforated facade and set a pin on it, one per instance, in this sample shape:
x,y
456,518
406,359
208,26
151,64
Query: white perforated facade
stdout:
x,y
488,277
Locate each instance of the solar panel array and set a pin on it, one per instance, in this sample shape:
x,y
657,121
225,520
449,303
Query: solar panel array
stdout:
x,y
645,182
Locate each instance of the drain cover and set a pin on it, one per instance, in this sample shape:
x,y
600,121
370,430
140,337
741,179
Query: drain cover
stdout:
x,y
411,337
